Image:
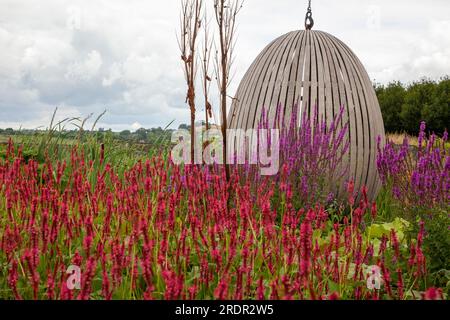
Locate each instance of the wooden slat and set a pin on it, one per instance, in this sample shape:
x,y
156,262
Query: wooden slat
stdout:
x,y
280,79
298,90
346,100
358,122
236,113
373,122
261,87
331,98
306,80
291,100
322,69
313,99
288,78
368,161
248,87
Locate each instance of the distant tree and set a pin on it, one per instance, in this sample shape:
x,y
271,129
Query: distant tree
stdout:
x,y
141,134
419,96
404,107
437,114
125,134
391,99
9,131
183,126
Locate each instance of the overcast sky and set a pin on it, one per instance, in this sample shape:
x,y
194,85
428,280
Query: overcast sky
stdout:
x,y
86,56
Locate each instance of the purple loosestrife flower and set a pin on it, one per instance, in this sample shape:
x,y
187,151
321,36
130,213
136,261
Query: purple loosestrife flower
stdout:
x,y
421,179
311,148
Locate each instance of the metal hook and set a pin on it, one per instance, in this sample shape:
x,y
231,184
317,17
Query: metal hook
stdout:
x,y
309,21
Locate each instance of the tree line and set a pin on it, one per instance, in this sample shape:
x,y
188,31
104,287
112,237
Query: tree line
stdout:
x,y
405,106
142,135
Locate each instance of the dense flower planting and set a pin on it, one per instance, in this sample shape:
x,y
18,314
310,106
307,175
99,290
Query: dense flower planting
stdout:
x,y
313,152
421,180
418,181
160,231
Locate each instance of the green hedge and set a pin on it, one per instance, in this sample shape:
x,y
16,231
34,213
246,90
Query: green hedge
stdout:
x,y
405,106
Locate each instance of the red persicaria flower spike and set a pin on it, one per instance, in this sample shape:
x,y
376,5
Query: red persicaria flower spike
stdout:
x,y
333,296
373,210
13,277
421,234
433,294
350,191
400,284
395,244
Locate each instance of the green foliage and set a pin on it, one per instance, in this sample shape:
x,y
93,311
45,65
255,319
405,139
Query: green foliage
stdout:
x,y
437,248
405,221
388,206
122,149
399,225
437,114
391,99
405,106
418,96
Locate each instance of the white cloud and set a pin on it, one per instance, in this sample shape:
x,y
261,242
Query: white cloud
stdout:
x,y
135,126
427,56
85,70
115,73
123,56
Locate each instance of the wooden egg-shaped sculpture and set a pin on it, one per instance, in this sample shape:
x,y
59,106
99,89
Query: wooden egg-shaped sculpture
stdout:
x,y
313,68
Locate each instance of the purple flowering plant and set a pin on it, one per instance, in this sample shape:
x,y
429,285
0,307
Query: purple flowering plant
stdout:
x,y
312,152
418,177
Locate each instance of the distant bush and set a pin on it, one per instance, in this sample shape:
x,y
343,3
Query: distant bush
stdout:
x,y
405,106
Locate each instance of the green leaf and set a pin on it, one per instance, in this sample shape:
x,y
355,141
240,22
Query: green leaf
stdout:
x,y
333,286
399,225
376,247
376,231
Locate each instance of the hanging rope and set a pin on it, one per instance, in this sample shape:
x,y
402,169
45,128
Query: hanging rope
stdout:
x,y
309,21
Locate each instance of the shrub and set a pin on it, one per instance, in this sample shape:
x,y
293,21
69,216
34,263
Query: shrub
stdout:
x,y
436,246
405,106
391,99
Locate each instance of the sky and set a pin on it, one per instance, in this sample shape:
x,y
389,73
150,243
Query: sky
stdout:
x,y
122,56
